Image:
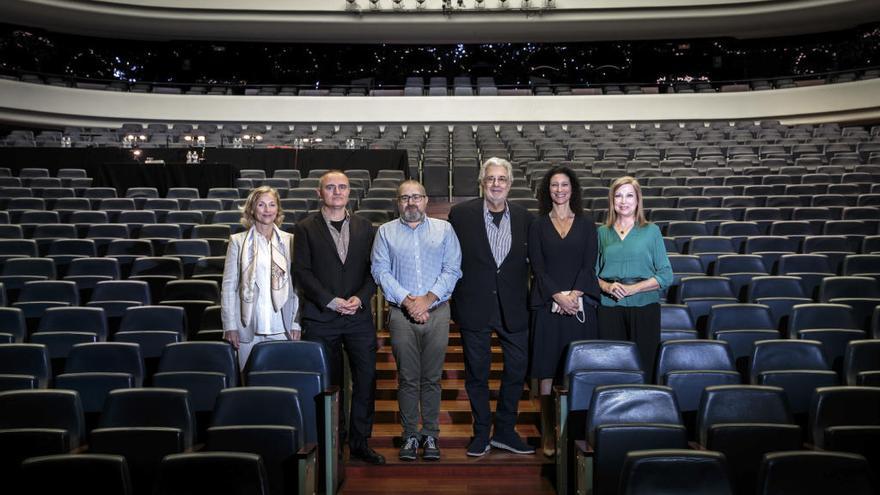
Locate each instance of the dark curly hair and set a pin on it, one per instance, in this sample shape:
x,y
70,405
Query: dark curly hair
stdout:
x,y
545,204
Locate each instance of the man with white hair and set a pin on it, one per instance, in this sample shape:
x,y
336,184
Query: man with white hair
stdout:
x,y
492,296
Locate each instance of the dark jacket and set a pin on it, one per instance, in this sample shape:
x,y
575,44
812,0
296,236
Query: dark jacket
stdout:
x,y
322,276
481,278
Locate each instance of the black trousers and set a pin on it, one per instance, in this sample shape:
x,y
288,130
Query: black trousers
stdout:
x,y
639,324
477,344
358,339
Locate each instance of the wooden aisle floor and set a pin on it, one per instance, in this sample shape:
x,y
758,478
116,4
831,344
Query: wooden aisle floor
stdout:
x,y
497,472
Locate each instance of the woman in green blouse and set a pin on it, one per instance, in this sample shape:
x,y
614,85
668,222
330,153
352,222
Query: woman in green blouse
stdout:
x,y
633,269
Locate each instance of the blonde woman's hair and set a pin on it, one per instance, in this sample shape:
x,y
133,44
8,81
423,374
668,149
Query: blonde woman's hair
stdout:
x,y
640,210
248,212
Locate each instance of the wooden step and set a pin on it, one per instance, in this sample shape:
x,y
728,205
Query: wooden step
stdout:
x,y
384,338
453,462
497,472
452,388
454,411
454,353
451,435
388,370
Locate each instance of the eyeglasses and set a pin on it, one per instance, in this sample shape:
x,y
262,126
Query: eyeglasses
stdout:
x,y
416,198
501,180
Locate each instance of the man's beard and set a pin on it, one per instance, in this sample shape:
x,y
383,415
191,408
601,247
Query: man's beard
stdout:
x,y
412,215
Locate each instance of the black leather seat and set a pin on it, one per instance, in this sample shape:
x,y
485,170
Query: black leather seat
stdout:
x,y
653,472
267,421
12,323
847,419
197,474
797,366
152,327
862,294
95,369
201,368
832,324
589,364
740,269
771,248
87,272
744,422
280,362
780,293
676,323
77,474
701,293
861,362
689,366
814,473
741,325
24,366
193,296
62,328
811,268
623,418
37,422
156,271
144,425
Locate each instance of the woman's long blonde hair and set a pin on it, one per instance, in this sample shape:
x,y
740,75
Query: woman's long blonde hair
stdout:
x,y
640,210
248,212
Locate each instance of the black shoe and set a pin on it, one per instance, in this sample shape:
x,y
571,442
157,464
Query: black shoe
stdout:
x,y
368,455
478,447
430,449
410,449
511,442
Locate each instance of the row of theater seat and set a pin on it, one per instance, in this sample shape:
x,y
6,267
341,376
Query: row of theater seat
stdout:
x,y
627,417
195,402
699,399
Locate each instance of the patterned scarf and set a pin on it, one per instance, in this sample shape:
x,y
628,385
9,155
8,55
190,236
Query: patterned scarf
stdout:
x,y
279,272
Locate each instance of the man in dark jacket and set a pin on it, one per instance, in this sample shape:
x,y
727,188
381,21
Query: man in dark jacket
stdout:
x,y
492,296
331,265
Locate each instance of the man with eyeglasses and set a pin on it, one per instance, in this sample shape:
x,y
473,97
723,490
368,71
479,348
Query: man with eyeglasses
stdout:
x,y
417,261
331,265
492,296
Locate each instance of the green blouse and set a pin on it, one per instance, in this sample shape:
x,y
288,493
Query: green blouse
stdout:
x,y
641,254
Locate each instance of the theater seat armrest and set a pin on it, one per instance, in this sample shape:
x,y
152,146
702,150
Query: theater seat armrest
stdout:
x,y
307,450
582,447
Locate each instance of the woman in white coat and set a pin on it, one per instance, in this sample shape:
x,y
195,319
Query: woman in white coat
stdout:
x,y
259,301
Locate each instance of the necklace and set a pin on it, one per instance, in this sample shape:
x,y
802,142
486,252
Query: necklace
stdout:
x,y
624,229
563,225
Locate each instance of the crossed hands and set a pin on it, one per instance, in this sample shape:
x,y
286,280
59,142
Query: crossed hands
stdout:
x,y
348,306
568,303
417,306
618,290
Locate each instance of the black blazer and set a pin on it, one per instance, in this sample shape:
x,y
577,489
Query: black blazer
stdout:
x,y
322,276
481,277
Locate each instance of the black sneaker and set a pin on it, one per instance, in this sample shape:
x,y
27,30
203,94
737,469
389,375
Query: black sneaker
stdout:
x,y
430,450
410,449
478,447
511,442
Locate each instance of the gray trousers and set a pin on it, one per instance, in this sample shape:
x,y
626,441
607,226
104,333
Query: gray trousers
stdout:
x,y
419,350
